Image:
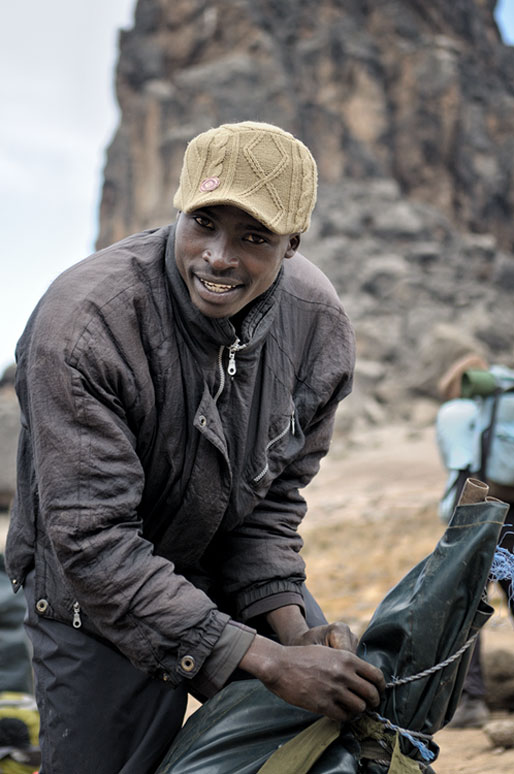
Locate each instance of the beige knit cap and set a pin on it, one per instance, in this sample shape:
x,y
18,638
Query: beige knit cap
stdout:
x,y
257,167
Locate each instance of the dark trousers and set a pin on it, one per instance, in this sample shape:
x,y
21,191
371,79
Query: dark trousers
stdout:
x,y
99,714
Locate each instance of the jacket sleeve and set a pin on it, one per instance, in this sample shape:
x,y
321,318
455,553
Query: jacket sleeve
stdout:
x,y
262,567
90,482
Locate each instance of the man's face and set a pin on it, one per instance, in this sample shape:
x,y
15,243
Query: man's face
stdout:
x,y
227,258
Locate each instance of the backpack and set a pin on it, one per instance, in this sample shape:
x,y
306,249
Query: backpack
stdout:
x,y
475,433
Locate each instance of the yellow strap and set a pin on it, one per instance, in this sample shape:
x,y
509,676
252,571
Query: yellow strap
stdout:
x,y
400,763
298,755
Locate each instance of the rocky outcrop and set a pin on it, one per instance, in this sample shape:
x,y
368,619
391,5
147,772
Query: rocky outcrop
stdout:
x,y
420,92
420,292
499,680
500,733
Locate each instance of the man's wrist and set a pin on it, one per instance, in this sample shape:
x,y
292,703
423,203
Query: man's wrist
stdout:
x,y
261,658
288,624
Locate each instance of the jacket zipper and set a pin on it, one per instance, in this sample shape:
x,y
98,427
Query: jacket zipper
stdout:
x,y
291,426
77,620
236,346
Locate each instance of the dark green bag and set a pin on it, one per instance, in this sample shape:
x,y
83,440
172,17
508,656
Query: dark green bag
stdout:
x,y
428,618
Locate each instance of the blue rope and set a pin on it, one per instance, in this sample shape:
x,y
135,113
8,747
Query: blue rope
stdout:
x,y
425,752
502,568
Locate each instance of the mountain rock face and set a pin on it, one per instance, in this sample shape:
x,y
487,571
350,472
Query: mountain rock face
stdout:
x,y
408,107
421,91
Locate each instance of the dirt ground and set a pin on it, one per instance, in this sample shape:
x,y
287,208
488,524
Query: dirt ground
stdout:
x,y
372,516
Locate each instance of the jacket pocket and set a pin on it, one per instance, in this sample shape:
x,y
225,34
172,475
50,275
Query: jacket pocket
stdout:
x,y
289,428
282,443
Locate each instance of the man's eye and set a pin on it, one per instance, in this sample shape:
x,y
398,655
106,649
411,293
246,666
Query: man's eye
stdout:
x,y
204,222
255,239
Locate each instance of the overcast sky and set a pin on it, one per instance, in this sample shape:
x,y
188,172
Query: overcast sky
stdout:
x,y
57,62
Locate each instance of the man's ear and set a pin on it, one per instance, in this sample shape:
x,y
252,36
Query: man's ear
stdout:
x,y
293,245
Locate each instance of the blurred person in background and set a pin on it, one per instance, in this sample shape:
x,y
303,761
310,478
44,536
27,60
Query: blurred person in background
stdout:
x,y
475,435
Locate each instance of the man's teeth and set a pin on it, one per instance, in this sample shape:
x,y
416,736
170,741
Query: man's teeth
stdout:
x,y
217,288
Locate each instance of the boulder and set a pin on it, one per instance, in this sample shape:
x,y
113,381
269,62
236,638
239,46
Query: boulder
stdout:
x,y
498,667
500,732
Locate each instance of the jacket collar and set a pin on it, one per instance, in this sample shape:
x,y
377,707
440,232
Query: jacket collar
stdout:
x,y
209,331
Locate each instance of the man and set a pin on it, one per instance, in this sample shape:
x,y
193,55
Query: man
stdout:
x,y
177,389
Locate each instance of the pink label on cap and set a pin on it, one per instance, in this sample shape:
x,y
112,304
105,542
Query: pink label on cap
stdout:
x,y
209,184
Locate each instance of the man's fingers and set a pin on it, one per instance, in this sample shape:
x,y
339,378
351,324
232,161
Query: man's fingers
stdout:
x,y
372,674
364,688
341,637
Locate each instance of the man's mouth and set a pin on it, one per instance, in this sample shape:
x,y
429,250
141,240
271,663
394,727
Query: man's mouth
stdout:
x,y
217,287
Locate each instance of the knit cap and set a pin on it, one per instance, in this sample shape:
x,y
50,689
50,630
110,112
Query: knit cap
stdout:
x,y
257,167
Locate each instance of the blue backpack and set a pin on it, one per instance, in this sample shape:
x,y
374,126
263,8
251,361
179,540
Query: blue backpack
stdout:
x,y
475,433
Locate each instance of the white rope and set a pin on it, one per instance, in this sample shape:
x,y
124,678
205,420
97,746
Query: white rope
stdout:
x,y
431,670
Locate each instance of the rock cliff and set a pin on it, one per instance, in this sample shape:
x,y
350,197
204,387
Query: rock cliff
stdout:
x,y
415,90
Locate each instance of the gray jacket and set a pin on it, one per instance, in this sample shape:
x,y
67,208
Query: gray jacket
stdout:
x,y
158,496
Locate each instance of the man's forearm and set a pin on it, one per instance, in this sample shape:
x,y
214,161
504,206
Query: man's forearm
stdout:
x,y
288,623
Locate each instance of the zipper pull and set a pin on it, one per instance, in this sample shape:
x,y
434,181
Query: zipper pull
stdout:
x,y
293,424
77,621
231,369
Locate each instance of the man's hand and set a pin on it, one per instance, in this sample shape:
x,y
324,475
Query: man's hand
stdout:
x,y
335,635
290,626
322,679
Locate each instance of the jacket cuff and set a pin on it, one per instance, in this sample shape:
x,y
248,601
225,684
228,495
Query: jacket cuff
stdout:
x,y
232,645
259,597
263,606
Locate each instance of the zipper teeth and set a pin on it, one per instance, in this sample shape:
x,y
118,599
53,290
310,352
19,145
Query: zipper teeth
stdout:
x,y
236,346
261,474
221,372
279,436
270,443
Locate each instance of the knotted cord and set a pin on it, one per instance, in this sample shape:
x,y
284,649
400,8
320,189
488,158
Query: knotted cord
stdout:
x,y
415,738
502,568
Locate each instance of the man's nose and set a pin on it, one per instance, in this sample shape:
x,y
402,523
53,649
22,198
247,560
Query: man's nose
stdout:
x,y
220,256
